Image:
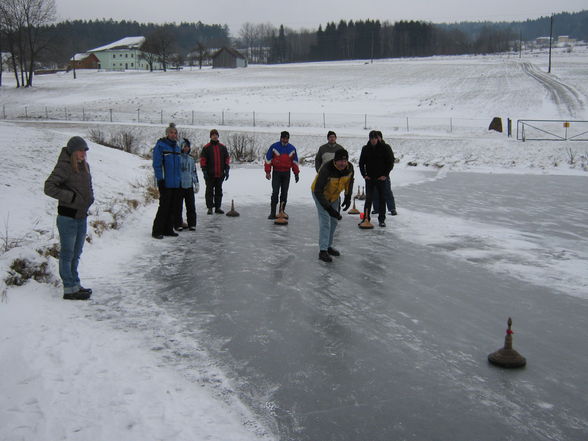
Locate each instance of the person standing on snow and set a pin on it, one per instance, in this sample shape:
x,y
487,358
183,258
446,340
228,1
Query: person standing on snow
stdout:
x,y
375,163
333,177
326,152
166,165
70,183
188,186
281,156
389,196
214,161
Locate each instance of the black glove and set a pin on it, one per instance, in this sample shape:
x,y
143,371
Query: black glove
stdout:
x,y
346,202
205,174
296,178
333,213
226,174
161,184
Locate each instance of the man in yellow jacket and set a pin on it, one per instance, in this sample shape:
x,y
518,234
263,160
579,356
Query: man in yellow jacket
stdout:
x,y
333,178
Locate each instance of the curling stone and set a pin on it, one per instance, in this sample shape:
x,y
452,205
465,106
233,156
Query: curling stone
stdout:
x,y
365,223
232,212
362,195
282,218
507,357
353,210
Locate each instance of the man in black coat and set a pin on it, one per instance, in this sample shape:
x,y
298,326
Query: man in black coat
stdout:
x,y
375,163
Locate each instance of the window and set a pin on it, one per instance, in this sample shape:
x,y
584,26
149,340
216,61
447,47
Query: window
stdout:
x,y
126,55
113,55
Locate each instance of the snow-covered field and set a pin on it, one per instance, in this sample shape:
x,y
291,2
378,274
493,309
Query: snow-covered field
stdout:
x,y
66,375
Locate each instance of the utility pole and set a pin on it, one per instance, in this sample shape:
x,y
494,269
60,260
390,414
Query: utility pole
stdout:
x,y
550,40
73,65
520,43
372,48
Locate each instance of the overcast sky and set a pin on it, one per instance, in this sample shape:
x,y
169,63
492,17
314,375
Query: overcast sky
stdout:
x,y
309,14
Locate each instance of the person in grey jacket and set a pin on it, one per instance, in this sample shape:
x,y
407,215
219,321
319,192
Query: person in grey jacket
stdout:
x,y
188,186
70,183
326,152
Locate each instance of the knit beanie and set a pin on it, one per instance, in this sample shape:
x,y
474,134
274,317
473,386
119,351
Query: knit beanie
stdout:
x,y
341,154
285,134
214,132
76,143
331,133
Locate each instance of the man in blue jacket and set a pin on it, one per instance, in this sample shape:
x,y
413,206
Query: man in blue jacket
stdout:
x,y
166,164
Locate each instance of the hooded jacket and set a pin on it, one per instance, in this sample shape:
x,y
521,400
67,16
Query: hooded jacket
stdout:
x,y
72,189
166,162
282,158
376,160
330,182
189,176
215,159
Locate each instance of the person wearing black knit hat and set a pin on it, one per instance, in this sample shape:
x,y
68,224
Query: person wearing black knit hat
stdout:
x,y
326,151
389,196
333,177
280,158
215,163
375,163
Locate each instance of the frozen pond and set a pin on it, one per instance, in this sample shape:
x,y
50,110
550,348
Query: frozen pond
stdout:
x,y
390,341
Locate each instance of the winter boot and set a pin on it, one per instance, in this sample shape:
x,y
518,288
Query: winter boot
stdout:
x,y
324,256
333,252
272,214
77,296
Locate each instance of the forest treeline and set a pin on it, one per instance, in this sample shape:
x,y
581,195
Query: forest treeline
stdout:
x,y
56,43
361,39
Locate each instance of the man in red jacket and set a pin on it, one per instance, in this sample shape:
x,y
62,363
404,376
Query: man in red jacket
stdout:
x,y
282,157
214,161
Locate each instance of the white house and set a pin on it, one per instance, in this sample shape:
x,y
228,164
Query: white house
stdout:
x,y
124,54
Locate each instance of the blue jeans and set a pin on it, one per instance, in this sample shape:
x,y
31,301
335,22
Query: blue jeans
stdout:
x,y
327,224
388,195
72,234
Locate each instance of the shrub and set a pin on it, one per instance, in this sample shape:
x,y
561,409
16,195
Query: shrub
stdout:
x,y
22,270
242,148
124,140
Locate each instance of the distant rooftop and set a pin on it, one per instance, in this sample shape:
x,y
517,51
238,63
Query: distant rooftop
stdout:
x,y
123,43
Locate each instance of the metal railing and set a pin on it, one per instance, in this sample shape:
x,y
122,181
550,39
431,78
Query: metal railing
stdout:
x,y
388,123
552,130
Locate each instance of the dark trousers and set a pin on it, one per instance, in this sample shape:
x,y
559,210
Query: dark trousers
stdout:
x,y
214,192
187,196
280,185
370,186
389,196
169,200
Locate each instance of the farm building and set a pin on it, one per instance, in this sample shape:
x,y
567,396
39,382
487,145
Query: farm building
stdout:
x,y
227,57
124,54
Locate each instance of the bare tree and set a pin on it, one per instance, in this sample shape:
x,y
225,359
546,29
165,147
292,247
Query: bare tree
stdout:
x,y
248,36
161,43
202,53
148,54
257,38
21,25
1,51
